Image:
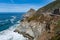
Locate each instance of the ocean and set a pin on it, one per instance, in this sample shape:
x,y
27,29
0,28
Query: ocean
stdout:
x,y
8,22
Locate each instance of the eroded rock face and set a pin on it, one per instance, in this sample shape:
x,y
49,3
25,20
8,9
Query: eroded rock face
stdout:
x,y
30,13
32,29
44,29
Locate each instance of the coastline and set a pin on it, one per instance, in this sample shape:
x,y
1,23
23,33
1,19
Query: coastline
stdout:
x,y
10,34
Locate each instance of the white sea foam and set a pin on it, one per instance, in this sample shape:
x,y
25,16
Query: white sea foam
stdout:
x,y
12,28
13,18
9,34
18,22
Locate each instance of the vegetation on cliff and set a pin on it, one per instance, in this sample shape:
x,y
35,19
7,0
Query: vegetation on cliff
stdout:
x,y
53,5
50,7
56,37
51,22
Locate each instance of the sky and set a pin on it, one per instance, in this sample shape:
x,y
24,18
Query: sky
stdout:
x,y
22,5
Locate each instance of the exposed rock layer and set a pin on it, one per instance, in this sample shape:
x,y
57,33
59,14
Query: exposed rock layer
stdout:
x,y
41,26
44,29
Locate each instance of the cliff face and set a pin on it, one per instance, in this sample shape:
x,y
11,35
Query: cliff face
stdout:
x,y
33,29
43,28
50,7
42,25
30,13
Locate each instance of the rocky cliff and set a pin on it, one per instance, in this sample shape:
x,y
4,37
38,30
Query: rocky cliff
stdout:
x,y
43,26
44,29
50,7
29,13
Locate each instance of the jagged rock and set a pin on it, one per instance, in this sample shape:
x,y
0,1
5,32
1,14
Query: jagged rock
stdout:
x,y
41,26
30,13
51,7
33,29
25,34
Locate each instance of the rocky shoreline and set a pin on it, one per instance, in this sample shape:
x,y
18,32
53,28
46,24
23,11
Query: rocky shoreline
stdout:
x,y
34,30
43,24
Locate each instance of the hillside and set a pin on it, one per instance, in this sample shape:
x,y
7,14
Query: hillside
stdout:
x,y
41,25
50,7
30,12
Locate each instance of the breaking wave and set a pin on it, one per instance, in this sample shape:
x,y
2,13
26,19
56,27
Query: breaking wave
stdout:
x,y
9,34
6,28
13,18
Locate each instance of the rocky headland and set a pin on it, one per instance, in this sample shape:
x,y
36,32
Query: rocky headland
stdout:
x,y
43,24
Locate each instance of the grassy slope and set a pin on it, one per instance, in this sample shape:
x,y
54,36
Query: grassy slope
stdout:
x,y
51,6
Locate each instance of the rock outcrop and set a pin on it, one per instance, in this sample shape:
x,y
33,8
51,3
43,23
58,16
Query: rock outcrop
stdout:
x,y
33,29
43,24
50,7
44,29
30,13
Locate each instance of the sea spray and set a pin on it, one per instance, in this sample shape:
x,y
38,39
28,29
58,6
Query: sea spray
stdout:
x,y
9,34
